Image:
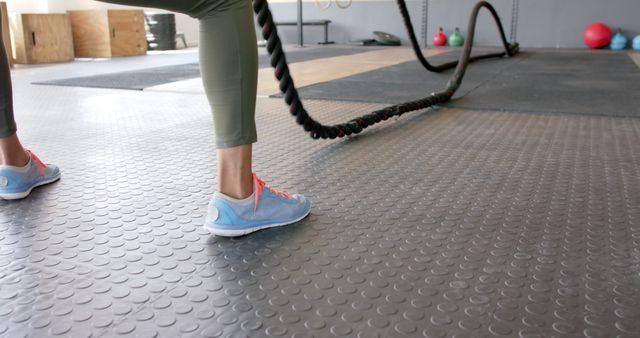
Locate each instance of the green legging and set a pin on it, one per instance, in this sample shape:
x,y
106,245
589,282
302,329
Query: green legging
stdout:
x,y
228,63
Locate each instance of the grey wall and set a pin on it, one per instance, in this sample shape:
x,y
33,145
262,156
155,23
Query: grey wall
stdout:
x,y
541,23
358,21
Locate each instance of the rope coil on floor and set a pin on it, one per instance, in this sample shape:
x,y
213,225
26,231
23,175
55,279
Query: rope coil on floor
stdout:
x,y
355,126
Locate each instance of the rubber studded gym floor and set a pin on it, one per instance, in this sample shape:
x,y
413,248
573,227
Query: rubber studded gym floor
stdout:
x,y
453,222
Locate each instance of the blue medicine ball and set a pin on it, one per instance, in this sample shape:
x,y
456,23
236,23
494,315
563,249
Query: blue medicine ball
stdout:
x,y
618,41
636,43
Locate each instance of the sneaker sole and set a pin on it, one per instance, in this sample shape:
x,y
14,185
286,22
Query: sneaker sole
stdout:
x,y
21,195
242,232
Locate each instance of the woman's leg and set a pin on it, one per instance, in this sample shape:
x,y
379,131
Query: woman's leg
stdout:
x,y
229,66
11,151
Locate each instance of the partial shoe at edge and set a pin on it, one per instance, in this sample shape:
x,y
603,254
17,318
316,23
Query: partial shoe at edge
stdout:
x,y
18,182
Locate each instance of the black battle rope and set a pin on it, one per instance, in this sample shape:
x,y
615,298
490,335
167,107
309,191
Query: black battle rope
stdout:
x,y
509,49
355,126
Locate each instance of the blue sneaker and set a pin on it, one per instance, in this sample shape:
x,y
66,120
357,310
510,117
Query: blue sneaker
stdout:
x,y
17,182
266,208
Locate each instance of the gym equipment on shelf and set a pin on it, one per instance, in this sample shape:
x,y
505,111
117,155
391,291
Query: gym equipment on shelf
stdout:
x,y
317,130
161,31
440,39
619,41
456,39
597,35
386,39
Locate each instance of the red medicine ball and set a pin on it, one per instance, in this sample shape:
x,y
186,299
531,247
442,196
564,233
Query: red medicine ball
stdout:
x,y
440,39
597,35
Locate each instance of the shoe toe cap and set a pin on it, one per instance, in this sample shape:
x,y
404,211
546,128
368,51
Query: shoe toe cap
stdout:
x,y
53,170
305,204
301,199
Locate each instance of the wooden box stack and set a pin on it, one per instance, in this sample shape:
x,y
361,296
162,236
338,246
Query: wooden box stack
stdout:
x,y
5,36
108,33
42,38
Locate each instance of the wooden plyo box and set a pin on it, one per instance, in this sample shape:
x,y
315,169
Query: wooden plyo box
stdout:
x,y
108,33
5,36
41,38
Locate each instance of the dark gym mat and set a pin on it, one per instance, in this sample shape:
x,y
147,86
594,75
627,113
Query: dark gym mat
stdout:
x,y
149,77
534,81
404,82
600,83
133,80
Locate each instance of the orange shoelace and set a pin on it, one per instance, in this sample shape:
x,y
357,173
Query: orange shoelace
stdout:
x,y
260,186
41,166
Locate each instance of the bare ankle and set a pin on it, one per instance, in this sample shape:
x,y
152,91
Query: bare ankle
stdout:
x,y
237,186
234,172
239,195
19,160
12,153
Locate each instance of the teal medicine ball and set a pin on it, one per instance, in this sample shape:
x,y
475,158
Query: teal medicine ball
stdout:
x,y
618,41
636,43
